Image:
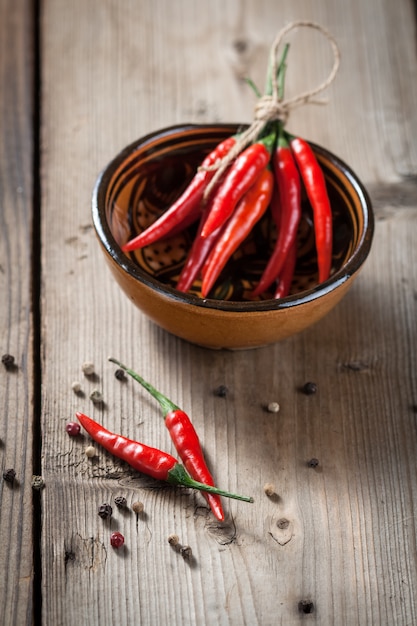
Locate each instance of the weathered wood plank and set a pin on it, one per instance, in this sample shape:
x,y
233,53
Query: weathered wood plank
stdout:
x,y
16,319
124,69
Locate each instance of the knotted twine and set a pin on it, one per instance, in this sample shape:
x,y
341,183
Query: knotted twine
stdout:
x,y
272,107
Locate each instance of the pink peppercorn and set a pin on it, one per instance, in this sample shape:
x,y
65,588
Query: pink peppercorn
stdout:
x,y
117,539
73,429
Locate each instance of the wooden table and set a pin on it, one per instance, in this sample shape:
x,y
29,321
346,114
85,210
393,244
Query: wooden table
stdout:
x,y
337,544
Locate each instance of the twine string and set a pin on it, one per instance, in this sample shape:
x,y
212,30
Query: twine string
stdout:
x,y
271,108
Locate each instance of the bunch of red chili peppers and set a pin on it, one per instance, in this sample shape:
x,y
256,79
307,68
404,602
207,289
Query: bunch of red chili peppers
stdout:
x,y
161,465
269,173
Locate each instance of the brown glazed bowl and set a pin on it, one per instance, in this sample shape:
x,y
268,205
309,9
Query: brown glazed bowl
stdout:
x,y
147,176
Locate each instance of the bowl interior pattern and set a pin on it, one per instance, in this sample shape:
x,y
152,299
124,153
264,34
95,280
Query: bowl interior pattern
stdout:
x,y
146,178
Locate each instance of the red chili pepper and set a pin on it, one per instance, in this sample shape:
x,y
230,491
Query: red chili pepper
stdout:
x,y
240,177
185,439
315,185
287,273
142,458
150,461
288,180
197,255
276,207
189,219
188,202
249,210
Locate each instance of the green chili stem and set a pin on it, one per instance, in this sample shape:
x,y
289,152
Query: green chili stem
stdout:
x,y
282,65
281,72
269,140
282,141
254,88
179,476
166,404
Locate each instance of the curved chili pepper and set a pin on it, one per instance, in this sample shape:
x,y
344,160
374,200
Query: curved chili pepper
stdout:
x,y
150,461
197,255
142,458
315,185
184,437
241,176
289,185
287,273
249,210
187,221
188,202
276,207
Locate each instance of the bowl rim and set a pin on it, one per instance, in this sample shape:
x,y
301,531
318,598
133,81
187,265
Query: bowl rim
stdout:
x,y
112,248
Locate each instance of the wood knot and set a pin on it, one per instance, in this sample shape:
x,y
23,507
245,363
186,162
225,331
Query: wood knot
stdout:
x,y
283,523
281,530
240,45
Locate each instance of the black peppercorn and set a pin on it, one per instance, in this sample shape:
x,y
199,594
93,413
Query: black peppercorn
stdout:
x,y
221,391
186,552
120,502
305,606
9,476
105,511
309,388
120,374
8,361
313,462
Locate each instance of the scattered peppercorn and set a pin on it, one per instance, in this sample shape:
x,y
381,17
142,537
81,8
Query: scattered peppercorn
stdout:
x,y
8,361
269,489
173,539
309,388
96,396
186,552
313,462
88,368
120,374
90,452
137,507
306,606
76,386
9,475
273,407
221,391
105,511
117,539
120,502
73,429
38,483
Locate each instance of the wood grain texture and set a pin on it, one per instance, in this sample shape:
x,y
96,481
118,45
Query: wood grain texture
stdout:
x,y
111,72
16,321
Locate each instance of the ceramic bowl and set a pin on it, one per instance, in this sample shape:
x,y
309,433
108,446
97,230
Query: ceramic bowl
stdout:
x,y
147,176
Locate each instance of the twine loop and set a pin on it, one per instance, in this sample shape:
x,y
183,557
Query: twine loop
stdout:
x,y
271,108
